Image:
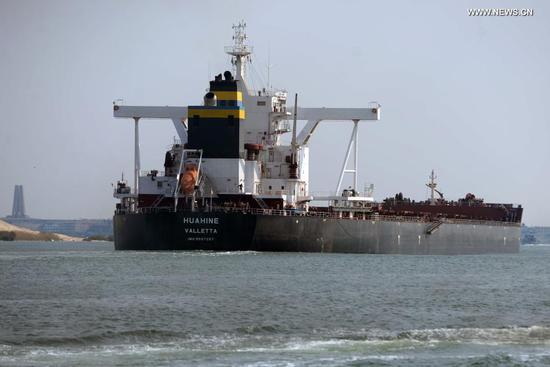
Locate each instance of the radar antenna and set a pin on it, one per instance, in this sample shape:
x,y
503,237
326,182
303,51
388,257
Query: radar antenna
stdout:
x,y
240,50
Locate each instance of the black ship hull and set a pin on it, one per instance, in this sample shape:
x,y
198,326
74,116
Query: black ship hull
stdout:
x,y
241,231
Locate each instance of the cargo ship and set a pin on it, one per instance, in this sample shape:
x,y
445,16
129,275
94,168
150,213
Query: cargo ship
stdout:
x,y
231,183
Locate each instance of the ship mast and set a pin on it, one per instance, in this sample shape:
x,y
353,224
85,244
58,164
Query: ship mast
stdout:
x,y
240,51
432,185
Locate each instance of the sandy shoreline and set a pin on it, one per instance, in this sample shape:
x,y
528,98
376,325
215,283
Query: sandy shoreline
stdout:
x,y
24,234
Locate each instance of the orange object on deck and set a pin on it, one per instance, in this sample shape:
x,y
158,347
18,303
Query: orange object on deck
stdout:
x,y
189,179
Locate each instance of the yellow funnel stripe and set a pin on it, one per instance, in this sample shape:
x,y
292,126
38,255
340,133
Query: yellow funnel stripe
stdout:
x,y
228,96
215,113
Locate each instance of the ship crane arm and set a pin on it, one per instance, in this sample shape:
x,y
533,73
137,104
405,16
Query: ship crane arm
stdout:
x,y
438,192
178,115
316,115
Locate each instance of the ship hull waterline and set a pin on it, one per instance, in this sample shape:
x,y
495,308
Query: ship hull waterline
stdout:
x,y
219,231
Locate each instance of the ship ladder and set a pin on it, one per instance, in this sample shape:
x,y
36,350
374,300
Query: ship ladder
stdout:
x,y
157,201
261,203
434,226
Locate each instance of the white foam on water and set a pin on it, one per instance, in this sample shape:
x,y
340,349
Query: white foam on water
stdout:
x,y
532,356
269,364
512,335
214,253
524,344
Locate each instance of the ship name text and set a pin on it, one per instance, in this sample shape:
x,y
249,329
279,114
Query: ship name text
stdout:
x,y
201,230
194,220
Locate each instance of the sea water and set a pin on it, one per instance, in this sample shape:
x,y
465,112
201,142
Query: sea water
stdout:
x,y
69,304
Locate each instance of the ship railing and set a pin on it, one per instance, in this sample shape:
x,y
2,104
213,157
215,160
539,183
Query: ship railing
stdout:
x,y
480,222
121,211
144,210
358,216
145,173
324,193
155,210
275,192
374,217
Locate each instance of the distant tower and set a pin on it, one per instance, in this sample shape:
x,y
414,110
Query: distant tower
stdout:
x,y
18,210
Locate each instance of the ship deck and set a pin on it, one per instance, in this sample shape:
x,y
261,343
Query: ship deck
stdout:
x,y
366,216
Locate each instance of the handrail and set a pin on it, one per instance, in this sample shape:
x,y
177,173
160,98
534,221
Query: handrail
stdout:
x,y
375,217
147,172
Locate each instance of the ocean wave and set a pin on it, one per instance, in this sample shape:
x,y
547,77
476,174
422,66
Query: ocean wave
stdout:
x,y
108,337
258,329
512,334
263,335
511,345
381,341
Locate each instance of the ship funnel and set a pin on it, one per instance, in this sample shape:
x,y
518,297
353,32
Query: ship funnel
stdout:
x,y
210,99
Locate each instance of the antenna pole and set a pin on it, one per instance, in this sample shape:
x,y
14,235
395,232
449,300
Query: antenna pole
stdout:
x,y
136,156
294,126
268,68
355,152
432,185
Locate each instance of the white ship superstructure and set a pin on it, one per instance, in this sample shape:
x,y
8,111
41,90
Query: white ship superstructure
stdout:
x,y
249,161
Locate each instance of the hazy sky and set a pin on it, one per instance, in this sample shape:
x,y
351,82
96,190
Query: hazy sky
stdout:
x,y
467,96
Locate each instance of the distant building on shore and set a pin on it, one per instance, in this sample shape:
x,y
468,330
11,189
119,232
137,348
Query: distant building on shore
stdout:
x,y
18,208
70,227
